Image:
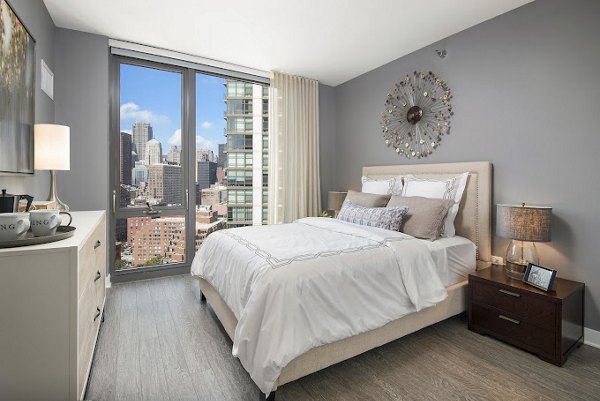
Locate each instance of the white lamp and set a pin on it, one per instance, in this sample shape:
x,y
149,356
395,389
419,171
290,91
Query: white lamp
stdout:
x,y
52,152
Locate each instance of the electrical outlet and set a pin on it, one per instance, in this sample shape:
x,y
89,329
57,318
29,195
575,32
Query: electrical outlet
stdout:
x,y
497,260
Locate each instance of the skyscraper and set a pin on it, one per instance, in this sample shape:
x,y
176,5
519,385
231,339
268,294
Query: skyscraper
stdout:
x,y
206,173
165,183
174,155
222,156
142,133
153,153
139,173
247,152
126,147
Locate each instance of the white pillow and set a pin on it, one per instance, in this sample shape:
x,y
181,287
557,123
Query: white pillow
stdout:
x,y
439,188
388,186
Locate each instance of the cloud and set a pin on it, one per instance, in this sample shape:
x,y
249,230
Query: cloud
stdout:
x,y
175,139
132,111
201,142
206,125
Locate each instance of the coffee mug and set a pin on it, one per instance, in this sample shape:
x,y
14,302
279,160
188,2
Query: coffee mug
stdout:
x,y
45,222
13,226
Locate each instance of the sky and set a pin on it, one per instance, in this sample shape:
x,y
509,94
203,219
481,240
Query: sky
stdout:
x,y
154,96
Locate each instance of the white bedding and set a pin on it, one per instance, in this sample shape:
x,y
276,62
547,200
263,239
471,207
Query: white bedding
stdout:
x,y
294,287
454,258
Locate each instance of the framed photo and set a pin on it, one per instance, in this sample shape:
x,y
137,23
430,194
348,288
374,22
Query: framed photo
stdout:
x,y
17,93
539,277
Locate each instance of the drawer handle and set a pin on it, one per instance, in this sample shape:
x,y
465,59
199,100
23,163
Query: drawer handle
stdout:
x,y
512,294
97,244
98,312
98,276
508,319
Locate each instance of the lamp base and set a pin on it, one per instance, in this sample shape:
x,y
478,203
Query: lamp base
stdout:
x,y
518,255
53,197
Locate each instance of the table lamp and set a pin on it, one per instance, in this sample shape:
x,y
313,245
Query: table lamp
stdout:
x,y
524,225
52,152
335,200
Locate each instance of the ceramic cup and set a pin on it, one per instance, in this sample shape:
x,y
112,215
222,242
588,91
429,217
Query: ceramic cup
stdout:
x,y
13,226
45,222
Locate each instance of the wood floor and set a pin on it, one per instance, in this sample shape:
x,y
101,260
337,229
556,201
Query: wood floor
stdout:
x,y
158,343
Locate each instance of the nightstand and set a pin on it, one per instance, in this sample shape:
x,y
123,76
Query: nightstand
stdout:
x,y
549,325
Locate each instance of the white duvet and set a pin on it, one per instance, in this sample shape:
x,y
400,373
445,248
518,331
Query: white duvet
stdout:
x,y
294,287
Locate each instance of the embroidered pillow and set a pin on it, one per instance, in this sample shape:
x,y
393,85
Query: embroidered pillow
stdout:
x,y
389,218
383,187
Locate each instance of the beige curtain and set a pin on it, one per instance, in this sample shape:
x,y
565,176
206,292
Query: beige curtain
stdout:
x,y
294,183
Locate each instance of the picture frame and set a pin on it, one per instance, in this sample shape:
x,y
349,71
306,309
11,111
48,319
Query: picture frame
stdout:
x,y
17,93
539,277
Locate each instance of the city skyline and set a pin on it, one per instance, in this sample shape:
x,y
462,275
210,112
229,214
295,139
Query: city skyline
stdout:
x,y
160,106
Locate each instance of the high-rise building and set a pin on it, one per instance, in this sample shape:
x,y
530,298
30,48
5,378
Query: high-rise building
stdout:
x,y
207,221
162,238
213,196
174,155
165,184
126,148
206,173
153,153
222,156
247,152
142,133
205,155
139,173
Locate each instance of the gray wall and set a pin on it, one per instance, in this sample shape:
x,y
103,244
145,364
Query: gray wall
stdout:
x,y
326,140
526,89
35,17
82,103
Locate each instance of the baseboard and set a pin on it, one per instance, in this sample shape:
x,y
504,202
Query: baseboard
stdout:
x,y
591,337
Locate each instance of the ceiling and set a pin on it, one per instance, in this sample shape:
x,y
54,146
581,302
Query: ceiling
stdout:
x,y
332,41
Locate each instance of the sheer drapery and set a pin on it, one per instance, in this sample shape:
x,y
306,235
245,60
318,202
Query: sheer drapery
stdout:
x,y
294,182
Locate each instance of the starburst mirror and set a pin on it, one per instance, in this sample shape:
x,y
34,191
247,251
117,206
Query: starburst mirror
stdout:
x,y
417,115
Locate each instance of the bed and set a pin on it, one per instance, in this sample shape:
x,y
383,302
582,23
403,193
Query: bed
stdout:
x,y
473,224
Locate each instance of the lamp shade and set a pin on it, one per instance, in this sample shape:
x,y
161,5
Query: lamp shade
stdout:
x,y
335,200
524,223
52,147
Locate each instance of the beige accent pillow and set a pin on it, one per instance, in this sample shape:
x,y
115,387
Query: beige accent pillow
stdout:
x,y
367,200
425,217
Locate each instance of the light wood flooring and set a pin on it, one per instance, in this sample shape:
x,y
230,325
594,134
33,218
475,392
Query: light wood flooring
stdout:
x,y
158,343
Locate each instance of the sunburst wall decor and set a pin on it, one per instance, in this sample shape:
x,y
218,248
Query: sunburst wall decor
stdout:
x,y
417,115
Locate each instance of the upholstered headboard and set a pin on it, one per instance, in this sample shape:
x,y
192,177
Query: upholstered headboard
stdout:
x,y
474,219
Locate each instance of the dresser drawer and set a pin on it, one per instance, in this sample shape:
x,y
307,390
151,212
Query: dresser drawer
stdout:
x,y
512,328
92,257
515,302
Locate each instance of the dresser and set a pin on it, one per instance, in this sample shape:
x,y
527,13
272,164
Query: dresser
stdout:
x,y
548,324
51,304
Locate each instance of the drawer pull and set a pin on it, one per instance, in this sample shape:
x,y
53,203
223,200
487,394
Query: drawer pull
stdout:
x,y
98,276
512,294
508,319
98,312
97,244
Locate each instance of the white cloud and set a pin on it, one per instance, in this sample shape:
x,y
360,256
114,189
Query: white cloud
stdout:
x,y
206,125
203,143
175,139
132,111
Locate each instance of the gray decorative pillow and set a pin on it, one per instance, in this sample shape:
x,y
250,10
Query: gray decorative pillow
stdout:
x,y
367,200
389,218
425,218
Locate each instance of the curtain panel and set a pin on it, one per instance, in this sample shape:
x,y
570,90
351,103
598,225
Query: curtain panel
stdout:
x,y
294,181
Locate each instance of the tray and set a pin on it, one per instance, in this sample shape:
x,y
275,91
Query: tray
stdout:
x,y
62,232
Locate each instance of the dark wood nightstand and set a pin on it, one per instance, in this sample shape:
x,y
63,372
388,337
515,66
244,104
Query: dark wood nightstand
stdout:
x,y
549,325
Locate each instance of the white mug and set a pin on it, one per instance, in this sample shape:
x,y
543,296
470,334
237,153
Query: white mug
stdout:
x,y
13,226
45,222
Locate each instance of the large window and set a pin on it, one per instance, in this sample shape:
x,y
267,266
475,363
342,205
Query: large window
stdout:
x,y
183,170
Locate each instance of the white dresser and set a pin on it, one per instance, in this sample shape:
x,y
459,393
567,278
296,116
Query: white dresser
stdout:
x,y
51,303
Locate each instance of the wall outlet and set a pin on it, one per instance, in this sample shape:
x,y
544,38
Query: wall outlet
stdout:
x,y
497,260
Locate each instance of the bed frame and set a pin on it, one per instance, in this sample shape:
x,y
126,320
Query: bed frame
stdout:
x,y
473,222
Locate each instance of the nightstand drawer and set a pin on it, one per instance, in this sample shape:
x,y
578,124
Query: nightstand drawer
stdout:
x,y
512,328
516,302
